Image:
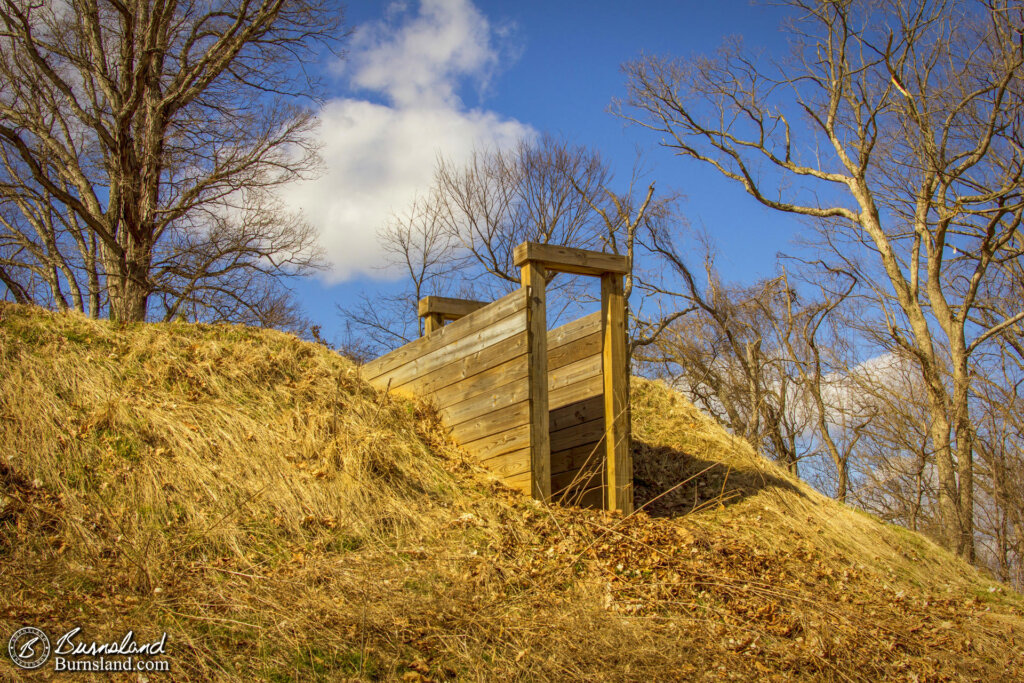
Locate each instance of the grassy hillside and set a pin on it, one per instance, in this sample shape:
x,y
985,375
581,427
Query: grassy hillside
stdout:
x,y
247,493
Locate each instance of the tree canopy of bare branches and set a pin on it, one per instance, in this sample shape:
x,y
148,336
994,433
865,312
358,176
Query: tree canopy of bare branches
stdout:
x,y
898,127
140,143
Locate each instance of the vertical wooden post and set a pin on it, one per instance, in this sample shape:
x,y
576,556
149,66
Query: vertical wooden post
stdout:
x,y
619,490
431,322
533,280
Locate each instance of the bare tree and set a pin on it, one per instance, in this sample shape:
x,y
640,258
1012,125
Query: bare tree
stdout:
x,y
421,250
157,128
899,122
729,354
537,191
458,239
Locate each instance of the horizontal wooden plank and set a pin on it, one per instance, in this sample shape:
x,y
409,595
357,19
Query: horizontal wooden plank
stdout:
x,y
520,482
575,350
589,455
509,464
492,423
570,437
563,396
570,332
486,382
575,413
492,334
497,398
574,372
498,444
448,308
480,319
569,260
469,366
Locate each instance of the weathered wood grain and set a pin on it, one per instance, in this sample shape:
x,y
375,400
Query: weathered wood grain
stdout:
x,y
493,422
498,444
486,382
571,331
503,307
571,393
576,350
589,455
448,308
493,400
497,331
577,412
534,281
509,464
616,391
469,366
569,260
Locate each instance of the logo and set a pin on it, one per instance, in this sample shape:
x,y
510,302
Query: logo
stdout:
x,y
29,648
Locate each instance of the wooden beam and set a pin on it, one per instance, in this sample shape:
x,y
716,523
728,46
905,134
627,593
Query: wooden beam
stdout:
x,y
448,308
619,491
433,321
569,260
533,280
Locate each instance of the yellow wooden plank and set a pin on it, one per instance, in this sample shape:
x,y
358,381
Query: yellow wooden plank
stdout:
x,y
509,464
533,281
568,259
485,382
494,399
492,423
570,332
563,396
498,444
431,322
502,308
469,366
477,341
448,308
619,476
572,484
574,372
574,351
520,482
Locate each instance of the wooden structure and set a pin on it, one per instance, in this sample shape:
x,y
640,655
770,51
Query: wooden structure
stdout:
x,y
545,410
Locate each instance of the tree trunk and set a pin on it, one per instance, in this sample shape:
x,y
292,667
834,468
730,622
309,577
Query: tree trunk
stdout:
x,y
950,528
127,284
844,482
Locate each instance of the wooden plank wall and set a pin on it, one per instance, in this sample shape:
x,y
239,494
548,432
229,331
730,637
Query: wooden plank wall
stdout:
x,y
576,396
474,371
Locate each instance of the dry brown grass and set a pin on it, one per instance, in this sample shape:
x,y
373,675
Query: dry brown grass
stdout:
x,y
249,494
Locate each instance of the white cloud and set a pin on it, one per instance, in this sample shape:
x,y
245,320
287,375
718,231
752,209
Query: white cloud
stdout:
x,y
379,155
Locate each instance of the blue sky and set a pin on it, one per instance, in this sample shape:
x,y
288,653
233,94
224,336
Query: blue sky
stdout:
x,y
431,77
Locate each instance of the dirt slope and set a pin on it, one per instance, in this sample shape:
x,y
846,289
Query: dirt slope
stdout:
x,y
247,493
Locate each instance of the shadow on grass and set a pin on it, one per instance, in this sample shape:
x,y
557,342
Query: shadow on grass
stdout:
x,y
670,483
